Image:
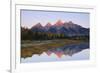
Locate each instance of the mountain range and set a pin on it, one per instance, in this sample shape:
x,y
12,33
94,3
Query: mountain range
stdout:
x,y
66,28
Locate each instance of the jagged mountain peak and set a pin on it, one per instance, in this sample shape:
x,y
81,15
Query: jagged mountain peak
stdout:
x,y
48,24
67,28
38,25
59,23
70,24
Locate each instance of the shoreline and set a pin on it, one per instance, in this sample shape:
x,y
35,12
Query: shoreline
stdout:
x,y
33,47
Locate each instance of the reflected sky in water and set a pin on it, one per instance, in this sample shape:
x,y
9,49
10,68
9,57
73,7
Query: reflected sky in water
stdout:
x,y
70,52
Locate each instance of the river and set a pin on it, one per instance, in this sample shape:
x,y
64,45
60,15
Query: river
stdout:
x,y
66,53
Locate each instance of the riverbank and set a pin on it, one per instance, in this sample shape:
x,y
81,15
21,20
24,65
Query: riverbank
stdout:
x,y
29,48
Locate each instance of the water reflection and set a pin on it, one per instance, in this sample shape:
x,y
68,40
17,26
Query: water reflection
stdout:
x,y
68,49
68,52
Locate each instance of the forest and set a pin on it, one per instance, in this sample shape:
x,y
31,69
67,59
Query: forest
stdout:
x,y
27,34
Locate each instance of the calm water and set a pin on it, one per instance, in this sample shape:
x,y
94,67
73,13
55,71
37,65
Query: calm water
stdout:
x,y
67,52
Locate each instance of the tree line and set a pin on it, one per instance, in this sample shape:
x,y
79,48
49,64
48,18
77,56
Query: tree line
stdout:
x,y
28,34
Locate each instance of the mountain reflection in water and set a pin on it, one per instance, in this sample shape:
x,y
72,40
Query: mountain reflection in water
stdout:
x,y
68,49
68,52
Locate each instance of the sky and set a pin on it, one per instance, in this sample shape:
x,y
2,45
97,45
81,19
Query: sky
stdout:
x,y
30,18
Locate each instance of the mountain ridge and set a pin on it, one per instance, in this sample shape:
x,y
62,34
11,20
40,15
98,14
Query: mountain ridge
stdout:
x,y
60,27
